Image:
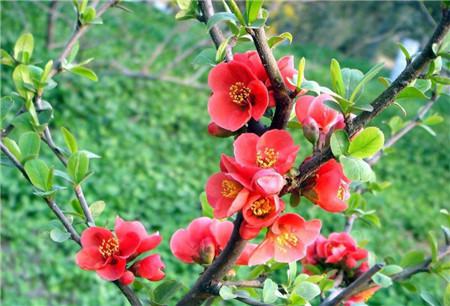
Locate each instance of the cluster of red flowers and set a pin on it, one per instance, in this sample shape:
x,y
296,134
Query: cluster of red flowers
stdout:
x,y
339,250
241,90
113,255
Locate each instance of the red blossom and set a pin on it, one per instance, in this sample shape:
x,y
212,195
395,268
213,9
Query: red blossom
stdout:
x,y
330,187
286,240
312,112
108,253
150,267
237,95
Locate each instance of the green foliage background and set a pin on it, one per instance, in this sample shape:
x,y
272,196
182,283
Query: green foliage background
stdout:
x,y
156,156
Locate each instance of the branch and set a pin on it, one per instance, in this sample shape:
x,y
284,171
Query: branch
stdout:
x,y
284,103
80,30
353,287
51,19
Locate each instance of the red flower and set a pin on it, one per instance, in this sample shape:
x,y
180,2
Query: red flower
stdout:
x,y
150,267
202,241
237,95
107,253
259,212
225,195
330,187
245,255
361,297
338,249
286,240
274,149
312,111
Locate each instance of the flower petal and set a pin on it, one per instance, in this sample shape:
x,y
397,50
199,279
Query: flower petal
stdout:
x,y
93,236
113,270
90,259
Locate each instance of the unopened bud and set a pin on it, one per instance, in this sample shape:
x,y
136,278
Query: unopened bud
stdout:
x,y
217,131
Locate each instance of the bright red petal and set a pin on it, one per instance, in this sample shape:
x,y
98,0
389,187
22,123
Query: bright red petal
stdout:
x,y
149,243
90,259
245,149
113,270
227,114
128,244
150,268
260,98
93,236
181,246
221,230
222,76
263,253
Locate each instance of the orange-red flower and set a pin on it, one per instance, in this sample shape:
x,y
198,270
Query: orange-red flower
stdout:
x,y
286,240
237,95
274,149
109,252
313,113
330,187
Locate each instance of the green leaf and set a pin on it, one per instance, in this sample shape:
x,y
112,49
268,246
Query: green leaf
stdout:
x,y
339,143
391,270
351,79
13,148
166,290
29,144
88,15
227,293
405,52
336,78
433,246
84,72
73,53
276,40
428,129
294,200
307,290
207,210
412,258
382,280
411,93
22,81
440,79
396,123
76,206
6,59
429,299
97,208
23,49
220,54
447,295
433,119
78,166
38,172
367,77
366,143
59,235
205,57
371,218
356,169
236,11
70,140
292,272
270,289
219,17
6,105
252,10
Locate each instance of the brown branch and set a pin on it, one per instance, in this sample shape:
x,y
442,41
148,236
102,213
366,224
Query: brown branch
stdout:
x,y
361,281
284,103
51,20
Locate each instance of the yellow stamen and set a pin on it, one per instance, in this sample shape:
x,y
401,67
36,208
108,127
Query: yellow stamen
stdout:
x,y
286,240
261,208
239,93
109,247
341,193
230,189
266,159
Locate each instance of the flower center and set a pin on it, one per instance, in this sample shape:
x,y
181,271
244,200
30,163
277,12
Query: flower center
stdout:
x,y
230,189
261,208
239,93
287,240
267,158
109,247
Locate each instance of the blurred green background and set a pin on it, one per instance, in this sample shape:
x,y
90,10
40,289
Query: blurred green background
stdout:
x,y
157,155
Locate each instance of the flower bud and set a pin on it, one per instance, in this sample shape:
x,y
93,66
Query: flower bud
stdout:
x,y
268,182
311,130
207,252
127,278
217,131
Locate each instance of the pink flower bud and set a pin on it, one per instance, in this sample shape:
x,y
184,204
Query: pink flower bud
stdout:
x,y
268,182
311,130
217,131
127,278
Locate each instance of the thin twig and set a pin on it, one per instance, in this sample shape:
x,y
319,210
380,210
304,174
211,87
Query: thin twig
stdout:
x,y
51,20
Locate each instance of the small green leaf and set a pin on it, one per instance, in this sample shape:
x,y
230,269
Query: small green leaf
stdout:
x,y
433,246
84,72
382,280
59,235
6,59
428,129
252,10
366,143
433,119
23,49
396,123
29,144
6,105
73,53
440,79
356,169
76,206
405,52
227,293
411,93
429,299
70,140
351,79
205,57
367,77
38,172
165,291
13,148
412,258
307,290
339,143
276,40
294,200
22,81
336,78
78,166
48,67
97,208
207,210
88,15
219,17
220,54
391,270
270,289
